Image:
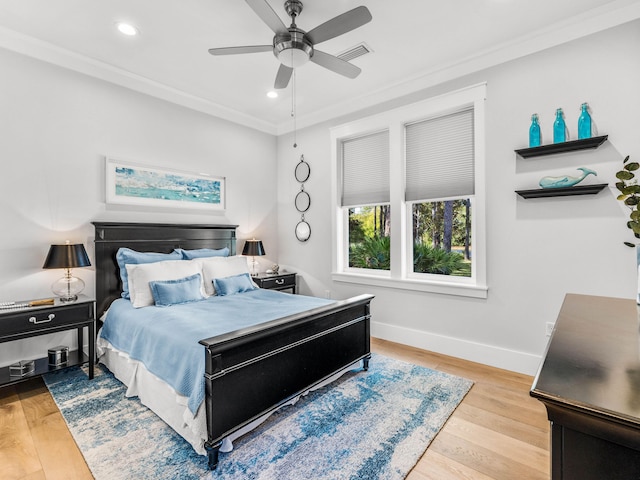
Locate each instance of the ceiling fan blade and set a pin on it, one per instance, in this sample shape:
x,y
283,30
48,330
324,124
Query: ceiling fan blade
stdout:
x,y
283,76
268,16
338,25
236,50
335,64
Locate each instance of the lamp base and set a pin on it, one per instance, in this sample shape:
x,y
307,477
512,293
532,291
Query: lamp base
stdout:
x,y
68,288
254,267
73,298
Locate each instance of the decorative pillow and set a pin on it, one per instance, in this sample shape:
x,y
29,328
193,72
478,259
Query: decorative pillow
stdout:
x,y
174,292
126,256
202,253
234,284
220,267
140,276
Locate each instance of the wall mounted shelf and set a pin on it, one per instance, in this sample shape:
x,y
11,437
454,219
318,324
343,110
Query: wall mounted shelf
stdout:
x,y
562,192
553,148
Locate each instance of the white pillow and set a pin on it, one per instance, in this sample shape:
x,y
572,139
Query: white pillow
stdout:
x,y
220,267
141,274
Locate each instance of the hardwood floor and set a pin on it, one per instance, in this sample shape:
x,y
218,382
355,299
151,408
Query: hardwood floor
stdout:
x,y
497,432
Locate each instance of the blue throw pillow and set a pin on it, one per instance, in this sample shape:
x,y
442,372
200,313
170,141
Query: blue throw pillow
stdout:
x,y
126,256
175,292
233,284
202,253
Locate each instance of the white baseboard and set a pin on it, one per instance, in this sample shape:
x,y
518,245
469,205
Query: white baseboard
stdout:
x,y
476,352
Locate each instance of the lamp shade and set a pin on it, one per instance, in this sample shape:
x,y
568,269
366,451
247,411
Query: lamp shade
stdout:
x,y
67,256
253,248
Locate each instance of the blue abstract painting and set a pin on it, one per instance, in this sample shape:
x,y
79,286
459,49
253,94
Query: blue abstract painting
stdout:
x,y
138,185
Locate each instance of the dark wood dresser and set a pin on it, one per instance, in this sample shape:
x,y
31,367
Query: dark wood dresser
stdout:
x,y
589,382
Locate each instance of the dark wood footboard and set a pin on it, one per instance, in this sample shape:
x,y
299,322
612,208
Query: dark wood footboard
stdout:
x,y
252,372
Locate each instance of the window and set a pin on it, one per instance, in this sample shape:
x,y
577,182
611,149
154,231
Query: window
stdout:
x,y
441,233
439,163
365,196
409,196
370,237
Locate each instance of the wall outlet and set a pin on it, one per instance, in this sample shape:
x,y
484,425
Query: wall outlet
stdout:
x,y
549,328
327,294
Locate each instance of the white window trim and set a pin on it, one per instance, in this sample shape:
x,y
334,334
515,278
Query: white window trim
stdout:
x,y
399,277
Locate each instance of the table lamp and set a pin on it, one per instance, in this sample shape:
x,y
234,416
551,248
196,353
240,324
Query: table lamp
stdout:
x,y
67,256
253,248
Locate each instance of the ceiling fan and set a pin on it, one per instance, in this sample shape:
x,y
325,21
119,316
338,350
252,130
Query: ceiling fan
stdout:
x,y
293,47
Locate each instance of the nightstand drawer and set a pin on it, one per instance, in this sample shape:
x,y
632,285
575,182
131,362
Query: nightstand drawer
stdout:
x,y
34,319
281,281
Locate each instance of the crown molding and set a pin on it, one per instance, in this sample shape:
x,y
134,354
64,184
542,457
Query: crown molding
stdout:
x,y
32,47
587,23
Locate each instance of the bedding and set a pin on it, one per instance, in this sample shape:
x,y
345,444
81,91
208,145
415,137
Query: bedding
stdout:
x,y
233,284
166,340
221,267
175,292
202,253
140,276
127,256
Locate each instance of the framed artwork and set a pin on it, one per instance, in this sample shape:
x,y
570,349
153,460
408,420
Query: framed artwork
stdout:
x,y
131,184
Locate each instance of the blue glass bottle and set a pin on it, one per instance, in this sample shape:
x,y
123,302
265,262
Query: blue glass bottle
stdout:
x,y
559,128
534,131
584,122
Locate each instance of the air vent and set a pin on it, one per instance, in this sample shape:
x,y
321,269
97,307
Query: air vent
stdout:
x,y
354,52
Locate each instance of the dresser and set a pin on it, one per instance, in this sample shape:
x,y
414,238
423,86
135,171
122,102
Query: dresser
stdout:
x,y
29,322
589,382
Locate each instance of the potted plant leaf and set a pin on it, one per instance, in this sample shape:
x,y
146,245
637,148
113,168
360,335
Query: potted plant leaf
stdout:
x,y
630,195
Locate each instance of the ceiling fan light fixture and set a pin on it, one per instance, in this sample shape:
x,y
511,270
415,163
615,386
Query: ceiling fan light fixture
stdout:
x,y
293,49
293,57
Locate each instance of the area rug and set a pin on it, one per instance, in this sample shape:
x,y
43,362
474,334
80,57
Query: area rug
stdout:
x,y
365,426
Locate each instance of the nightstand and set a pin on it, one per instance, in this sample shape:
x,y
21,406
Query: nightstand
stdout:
x,y
276,281
28,322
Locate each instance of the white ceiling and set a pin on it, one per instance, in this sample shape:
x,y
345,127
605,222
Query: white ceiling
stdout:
x,y
415,44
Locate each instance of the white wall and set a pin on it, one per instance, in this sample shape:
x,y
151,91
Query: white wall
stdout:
x,y
538,250
56,127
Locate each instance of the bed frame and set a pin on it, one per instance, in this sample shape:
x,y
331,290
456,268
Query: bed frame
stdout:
x,y
253,371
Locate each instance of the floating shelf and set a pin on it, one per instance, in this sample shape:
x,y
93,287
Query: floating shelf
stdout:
x,y
553,148
562,192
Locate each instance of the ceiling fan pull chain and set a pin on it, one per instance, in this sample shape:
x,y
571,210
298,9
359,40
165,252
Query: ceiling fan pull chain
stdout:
x,y
293,108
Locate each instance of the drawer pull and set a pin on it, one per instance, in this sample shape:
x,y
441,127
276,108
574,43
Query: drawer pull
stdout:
x,y
48,319
279,281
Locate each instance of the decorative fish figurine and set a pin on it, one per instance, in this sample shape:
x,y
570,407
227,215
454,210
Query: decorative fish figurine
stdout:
x,y
565,180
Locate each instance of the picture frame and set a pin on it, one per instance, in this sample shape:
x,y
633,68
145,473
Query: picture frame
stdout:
x,y
136,184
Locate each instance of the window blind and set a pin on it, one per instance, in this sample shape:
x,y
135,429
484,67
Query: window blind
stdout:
x,y
365,170
440,157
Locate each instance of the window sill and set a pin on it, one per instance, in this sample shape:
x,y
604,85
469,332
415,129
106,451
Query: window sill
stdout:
x,y
445,288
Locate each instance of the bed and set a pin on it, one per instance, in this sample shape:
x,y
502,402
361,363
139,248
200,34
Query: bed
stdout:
x,y
242,367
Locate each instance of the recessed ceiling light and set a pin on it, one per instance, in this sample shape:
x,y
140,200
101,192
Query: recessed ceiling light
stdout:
x,y
272,94
127,29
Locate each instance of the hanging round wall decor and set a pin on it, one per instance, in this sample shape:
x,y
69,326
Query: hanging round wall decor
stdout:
x,y
303,170
303,230
303,200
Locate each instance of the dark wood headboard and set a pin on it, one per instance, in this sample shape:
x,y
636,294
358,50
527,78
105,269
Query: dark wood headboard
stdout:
x,y
148,237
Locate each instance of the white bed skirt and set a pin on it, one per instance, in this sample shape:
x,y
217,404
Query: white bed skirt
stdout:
x,y
168,404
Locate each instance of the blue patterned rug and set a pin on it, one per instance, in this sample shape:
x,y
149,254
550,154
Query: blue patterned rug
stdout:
x,y
366,425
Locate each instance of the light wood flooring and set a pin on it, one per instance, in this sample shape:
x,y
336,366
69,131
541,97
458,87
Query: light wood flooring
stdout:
x,y
497,432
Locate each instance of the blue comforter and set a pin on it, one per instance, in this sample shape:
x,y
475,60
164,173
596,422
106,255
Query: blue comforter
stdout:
x,y
165,339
